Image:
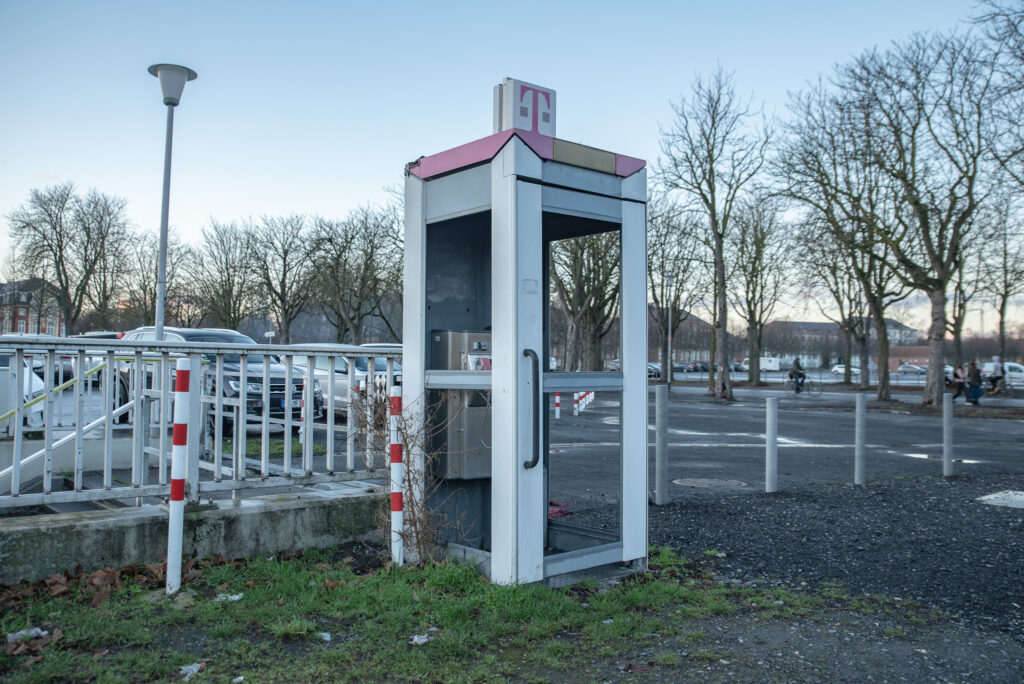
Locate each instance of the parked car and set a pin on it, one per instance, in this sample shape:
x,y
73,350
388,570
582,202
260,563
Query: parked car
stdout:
x,y
62,365
614,365
738,367
33,387
840,369
653,370
911,369
338,384
280,399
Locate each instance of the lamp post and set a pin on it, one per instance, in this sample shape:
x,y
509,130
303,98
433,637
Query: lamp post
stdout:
x,y
172,83
670,281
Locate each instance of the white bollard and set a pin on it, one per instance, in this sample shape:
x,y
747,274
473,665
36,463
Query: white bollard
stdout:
x,y
858,437
575,403
771,445
947,434
397,506
660,445
558,406
179,450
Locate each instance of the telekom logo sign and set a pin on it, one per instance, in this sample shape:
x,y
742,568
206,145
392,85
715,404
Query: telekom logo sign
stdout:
x,y
522,105
536,110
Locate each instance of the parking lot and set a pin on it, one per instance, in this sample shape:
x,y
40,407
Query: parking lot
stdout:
x,y
725,442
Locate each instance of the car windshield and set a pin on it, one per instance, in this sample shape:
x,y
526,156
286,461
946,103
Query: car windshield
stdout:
x,y
231,357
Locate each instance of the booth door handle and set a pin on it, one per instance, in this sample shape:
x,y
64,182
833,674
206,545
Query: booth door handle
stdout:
x,y
536,409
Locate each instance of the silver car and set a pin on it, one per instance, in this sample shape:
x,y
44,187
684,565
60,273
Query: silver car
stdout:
x,y
338,384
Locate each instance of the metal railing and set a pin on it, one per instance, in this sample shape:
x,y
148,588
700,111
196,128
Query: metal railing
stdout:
x,y
104,432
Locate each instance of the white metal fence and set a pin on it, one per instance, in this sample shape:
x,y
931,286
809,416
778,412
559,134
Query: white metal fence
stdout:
x,y
104,429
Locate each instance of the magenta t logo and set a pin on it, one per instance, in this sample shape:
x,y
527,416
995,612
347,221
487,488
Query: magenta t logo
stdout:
x,y
522,105
536,110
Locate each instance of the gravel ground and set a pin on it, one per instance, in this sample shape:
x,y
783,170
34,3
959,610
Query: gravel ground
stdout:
x,y
914,539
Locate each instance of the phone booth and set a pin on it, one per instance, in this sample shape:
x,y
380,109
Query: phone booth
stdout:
x,y
530,491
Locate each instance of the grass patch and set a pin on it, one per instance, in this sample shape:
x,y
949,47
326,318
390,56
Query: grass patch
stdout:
x,y
254,445
440,622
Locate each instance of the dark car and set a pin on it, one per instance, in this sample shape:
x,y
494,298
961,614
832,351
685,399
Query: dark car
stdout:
x,y
278,397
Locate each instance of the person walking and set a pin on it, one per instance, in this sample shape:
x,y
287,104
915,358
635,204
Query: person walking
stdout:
x,y
974,390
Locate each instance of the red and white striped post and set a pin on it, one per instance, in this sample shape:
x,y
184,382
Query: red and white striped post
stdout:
x,y
575,403
397,510
179,452
558,405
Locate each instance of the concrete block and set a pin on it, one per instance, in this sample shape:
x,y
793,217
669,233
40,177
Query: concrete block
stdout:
x,y
33,548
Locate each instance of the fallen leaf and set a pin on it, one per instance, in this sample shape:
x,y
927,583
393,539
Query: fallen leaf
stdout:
x,y
101,596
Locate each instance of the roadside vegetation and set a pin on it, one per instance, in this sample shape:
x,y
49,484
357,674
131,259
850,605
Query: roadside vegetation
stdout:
x,y
339,614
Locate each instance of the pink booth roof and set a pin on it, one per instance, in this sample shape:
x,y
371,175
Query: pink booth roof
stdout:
x,y
485,149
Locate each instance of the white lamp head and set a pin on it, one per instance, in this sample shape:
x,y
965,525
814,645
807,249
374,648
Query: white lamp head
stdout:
x,y
172,80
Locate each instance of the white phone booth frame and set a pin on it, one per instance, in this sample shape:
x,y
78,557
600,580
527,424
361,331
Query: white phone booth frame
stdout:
x,y
519,176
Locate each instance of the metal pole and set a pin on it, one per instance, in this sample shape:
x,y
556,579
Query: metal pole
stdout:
x,y
660,445
947,434
771,445
858,448
161,273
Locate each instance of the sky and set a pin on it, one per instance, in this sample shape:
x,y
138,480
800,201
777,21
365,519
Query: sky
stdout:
x,y
315,107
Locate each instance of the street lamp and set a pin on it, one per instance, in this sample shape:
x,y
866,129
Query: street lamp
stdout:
x,y
172,83
670,281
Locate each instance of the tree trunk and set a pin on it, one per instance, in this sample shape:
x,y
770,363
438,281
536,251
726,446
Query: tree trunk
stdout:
x,y
934,386
847,355
882,333
723,384
667,368
864,362
714,352
958,330
753,370
1003,301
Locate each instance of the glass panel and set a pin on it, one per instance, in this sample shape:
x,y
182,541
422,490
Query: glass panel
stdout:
x,y
584,258
583,470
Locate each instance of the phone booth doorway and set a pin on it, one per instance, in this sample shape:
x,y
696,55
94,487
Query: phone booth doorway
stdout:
x,y
533,491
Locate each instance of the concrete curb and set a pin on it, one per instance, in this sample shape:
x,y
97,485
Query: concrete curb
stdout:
x,y
33,548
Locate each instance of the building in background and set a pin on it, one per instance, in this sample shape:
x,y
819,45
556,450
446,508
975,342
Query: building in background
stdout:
x,y
28,306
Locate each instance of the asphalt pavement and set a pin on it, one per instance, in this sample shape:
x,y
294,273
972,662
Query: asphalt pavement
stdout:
x,y
722,444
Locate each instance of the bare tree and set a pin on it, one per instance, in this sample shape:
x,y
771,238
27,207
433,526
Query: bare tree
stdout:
x,y
356,265
710,154
1003,23
279,257
111,238
924,114
675,272
140,256
966,285
1002,260
220,277
65,235
829,267
585,284
762,252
